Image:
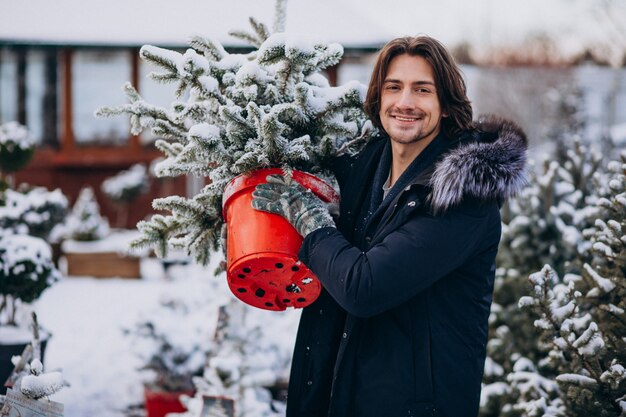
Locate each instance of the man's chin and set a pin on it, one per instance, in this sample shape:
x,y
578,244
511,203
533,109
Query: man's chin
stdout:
x,y
406,139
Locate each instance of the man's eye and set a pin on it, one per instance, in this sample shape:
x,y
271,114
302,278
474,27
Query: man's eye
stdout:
x,y
391,87
423,90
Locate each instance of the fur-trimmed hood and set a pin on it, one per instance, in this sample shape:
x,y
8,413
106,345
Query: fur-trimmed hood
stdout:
x,y
489,164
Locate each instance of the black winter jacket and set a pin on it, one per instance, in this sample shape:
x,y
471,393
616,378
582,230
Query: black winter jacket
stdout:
x,y
400,328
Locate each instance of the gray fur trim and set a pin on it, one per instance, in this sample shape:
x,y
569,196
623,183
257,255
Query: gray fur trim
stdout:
x,y
492,166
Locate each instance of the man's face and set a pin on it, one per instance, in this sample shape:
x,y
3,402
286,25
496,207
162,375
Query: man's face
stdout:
x,y
409,105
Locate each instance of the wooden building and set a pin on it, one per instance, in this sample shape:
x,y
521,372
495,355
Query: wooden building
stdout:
x,y
60,61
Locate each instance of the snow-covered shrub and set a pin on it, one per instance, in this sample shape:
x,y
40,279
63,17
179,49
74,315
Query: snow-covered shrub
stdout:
x,y
550,222
85,222
35,212
17,146
251,355
26,270
585,338
271,107
173,341
126,186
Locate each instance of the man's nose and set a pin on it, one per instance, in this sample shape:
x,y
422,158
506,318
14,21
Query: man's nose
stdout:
x,y
406,100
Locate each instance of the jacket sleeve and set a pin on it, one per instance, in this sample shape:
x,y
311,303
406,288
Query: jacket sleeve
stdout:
x,y
406,262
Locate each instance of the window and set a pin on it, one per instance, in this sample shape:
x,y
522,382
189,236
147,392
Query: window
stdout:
x,y
98,78
8,85
32,101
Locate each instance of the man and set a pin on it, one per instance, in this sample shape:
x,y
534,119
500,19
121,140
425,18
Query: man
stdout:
x,y
401,326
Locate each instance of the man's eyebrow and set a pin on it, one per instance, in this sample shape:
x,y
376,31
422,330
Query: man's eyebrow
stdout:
x,y
424,82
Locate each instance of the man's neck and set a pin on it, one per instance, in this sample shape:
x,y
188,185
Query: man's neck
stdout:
x,y
403,154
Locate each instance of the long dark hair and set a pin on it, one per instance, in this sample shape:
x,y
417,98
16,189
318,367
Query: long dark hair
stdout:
x,y
451,89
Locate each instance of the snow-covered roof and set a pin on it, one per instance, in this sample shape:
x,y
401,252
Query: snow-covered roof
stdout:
x,y
574,25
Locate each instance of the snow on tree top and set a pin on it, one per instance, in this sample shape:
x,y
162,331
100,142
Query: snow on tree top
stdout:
x,y
13,134
250,71
134,178
204,131
24,248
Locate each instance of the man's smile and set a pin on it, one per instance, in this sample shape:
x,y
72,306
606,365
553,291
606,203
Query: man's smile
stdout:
x,y
404,118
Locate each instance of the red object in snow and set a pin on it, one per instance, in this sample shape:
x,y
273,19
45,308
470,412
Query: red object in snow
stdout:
x,y
263,269
160,403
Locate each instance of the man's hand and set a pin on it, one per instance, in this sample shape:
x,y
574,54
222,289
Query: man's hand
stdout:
x,y
285,197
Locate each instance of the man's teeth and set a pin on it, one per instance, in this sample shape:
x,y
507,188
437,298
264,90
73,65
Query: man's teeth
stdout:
x,y
406,119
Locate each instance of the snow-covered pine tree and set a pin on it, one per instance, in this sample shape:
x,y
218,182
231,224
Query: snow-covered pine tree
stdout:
x,y
582,324
545,227
240,112
542,225
245,361
85,222
587,328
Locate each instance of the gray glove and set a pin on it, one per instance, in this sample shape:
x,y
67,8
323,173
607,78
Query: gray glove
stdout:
x,y
285,197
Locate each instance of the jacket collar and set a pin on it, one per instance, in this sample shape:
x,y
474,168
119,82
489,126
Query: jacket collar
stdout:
x,y
486,164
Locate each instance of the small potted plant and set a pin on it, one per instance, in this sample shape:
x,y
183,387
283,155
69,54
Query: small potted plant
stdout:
x,y
85,223
245,115
247,364
173,344
26,270
90,249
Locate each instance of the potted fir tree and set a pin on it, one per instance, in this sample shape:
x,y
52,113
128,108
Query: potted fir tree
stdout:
x,y
173,342
90,250
85,223
271,110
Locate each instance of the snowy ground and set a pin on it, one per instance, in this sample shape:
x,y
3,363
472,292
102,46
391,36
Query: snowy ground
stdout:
x,y
86,317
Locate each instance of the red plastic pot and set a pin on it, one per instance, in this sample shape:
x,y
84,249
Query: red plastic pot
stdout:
x,y
263,269
159,403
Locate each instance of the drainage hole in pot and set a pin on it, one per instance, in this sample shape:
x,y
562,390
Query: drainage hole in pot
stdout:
x,y
241,275
301,300
241,290
260,292
279,265
269,305
293,288
247,270
295,268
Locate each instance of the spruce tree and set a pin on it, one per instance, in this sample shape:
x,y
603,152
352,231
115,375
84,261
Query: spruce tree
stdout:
x,y
543,225
582,319
85,222
239,112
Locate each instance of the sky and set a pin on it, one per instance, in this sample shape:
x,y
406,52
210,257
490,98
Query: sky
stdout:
x,y
573,24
